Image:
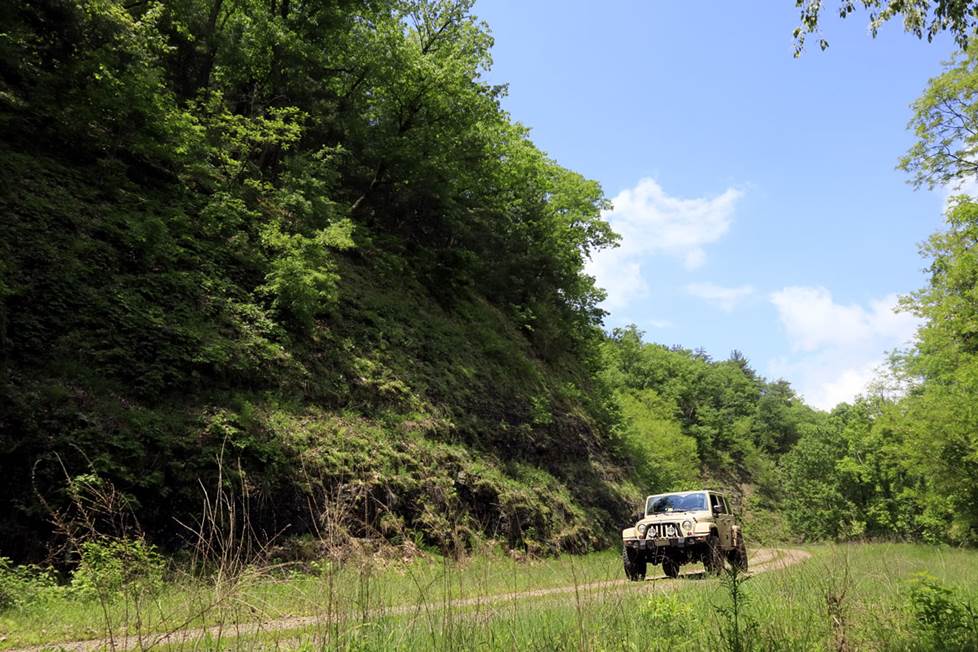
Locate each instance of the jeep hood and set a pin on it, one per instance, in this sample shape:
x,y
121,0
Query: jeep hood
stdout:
x,y
675,517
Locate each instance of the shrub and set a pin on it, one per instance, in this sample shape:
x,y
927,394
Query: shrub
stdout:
x,y
669,615
24,585
118,568
945,619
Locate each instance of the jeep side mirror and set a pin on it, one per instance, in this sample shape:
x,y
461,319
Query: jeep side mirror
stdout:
x,y
637,517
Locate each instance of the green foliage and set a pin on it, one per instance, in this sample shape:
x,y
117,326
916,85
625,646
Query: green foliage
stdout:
x,y
764,520
110,569
670,616
946,358
944,123
276,212
814,502
945,619
684,416
920,17
905,467
664,457
855,476
737,629
302,278
23,586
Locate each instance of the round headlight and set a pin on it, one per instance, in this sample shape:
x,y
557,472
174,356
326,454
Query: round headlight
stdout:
x,y
642,527
687,526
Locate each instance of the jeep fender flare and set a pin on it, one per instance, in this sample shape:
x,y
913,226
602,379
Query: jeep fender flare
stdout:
x,y
736,534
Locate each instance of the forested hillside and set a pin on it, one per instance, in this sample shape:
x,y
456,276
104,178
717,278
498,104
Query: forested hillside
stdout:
x,y
298,249
301,239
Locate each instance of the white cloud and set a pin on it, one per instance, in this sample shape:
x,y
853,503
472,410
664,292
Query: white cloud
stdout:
x,y
813,320
652,222
620,278
848,384
836,348
723,297
694,258
828,378
657,323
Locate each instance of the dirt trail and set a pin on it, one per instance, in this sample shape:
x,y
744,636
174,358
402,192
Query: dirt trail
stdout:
x,y
763,560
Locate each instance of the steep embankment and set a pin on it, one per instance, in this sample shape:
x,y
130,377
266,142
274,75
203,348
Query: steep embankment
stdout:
x,y
137,347
300,253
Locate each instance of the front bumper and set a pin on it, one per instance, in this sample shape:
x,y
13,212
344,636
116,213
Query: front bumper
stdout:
x,y
676,542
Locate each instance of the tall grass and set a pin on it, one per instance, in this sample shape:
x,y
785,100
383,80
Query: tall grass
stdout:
x,y
236,592
854,597
337,594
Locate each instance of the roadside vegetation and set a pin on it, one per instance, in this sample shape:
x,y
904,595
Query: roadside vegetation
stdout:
x,y
844,597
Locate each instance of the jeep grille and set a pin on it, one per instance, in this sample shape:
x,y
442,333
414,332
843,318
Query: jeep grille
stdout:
x,y
663,531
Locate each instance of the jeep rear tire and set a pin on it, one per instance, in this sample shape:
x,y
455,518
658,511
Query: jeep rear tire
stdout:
x,y
738,556
713,556
635,565
670,566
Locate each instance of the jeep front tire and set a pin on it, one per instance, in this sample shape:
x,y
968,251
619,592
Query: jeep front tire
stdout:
x,y
635,565
670,566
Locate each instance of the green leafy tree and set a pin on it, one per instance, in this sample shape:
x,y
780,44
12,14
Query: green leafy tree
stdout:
x,y
945,123
678,404
945,358
920,17
815,504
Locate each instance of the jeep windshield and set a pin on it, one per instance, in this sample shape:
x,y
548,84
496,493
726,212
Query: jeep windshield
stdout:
x,y
666,503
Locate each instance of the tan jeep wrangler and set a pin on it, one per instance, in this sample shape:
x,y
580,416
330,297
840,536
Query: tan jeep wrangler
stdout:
x,y
681,528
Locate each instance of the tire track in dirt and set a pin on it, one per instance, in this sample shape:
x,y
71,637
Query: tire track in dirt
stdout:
x,y
763,560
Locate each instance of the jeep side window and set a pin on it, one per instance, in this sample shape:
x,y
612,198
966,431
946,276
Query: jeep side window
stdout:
x,y
716,502
726,505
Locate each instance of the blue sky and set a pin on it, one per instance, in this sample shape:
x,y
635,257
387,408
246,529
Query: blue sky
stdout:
x,y
756,193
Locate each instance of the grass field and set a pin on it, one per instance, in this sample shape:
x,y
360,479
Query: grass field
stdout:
x,y
852,597
344,591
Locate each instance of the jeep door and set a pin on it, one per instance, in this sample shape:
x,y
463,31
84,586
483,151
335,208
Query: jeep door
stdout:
x,y
724,520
